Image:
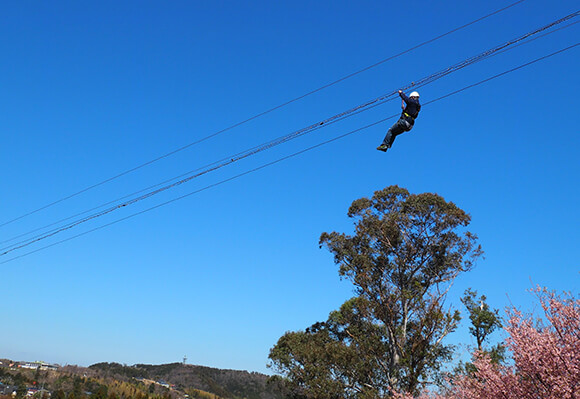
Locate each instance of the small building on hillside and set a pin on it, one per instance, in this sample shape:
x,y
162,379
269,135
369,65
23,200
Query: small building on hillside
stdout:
x,y
39,365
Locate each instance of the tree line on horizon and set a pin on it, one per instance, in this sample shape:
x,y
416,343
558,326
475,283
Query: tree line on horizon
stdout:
x,y
116,381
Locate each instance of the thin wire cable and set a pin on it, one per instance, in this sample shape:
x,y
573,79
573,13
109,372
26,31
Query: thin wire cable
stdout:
x,y
502,73
263,113
283,139
291,155
216,162
354,131
531,39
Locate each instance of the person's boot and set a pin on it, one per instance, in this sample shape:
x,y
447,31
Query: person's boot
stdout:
x,y
383,147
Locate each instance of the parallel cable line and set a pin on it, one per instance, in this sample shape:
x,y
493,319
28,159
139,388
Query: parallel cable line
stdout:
x,y
503,73
217,162
292,155
283,139
263,113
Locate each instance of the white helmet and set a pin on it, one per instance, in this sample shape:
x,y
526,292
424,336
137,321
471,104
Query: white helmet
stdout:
x,y
414,94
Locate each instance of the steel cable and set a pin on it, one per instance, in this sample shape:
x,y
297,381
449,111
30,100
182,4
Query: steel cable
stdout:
x,y
291,155
200,168
283,139
262,113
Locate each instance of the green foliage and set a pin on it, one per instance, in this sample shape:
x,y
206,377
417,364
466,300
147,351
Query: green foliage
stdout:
x,y
198,394
58,394
21,391
332,356
483,320
497,353
21,379
405,252
119,369
78,391
222,383
101,392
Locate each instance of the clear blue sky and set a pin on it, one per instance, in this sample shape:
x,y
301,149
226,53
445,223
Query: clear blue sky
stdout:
x,y
91,89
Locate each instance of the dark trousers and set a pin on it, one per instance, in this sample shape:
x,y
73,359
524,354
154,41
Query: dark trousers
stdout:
x,y
401,126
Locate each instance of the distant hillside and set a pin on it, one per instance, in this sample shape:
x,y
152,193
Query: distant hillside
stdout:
x,y
184,377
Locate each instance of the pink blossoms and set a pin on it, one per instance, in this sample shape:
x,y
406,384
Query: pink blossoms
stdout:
x,y
546,357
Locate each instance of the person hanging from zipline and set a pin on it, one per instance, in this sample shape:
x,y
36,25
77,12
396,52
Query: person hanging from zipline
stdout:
x,y
411,108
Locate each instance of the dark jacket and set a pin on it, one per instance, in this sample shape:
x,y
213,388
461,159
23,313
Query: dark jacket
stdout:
x,y
412,108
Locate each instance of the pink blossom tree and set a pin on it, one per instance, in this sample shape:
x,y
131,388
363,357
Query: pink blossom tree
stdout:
x,y
546,357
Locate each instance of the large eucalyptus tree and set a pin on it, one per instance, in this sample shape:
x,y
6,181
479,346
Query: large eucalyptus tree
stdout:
x,y
405,252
